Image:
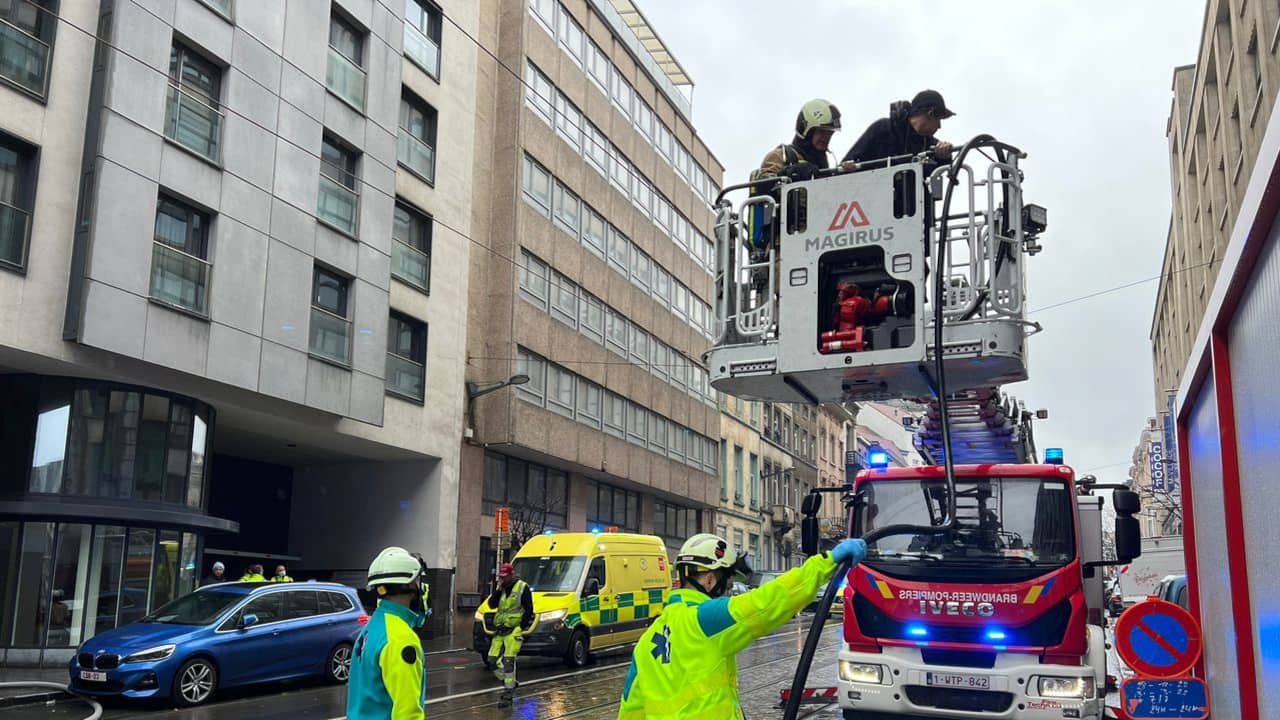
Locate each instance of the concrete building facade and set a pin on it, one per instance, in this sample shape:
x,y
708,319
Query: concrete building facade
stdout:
x,y
222,335
741,513
788,450
592,276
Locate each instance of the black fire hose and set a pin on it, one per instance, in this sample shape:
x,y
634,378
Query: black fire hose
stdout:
x,y
940,379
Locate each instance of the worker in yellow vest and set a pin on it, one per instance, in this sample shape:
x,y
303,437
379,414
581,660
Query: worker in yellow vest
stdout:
x,y
513,603
684,665
281,575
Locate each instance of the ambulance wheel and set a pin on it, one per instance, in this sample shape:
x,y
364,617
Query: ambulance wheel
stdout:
x,y
579,651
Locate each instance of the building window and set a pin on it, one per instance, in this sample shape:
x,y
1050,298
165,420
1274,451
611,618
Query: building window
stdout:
x,y
339,195
345,76
537,185
406,357
560,398
724,469
411,251
589,403
564,300
192,118
179,265
737,474
568,210
619,249
330,328
537,496
416,149
569,122
608,506
540,93
533,280
535,367
637,424
571,35
594,232
591,322
755,481
17,198
26,28
222,7
676,523
615,331
422,26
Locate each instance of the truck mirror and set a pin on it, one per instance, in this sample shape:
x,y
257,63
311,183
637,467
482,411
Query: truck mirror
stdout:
x,y
1128,539
811,504
1126,502
809,533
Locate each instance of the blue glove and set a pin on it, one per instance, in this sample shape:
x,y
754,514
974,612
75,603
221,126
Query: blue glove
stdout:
x,y
853,549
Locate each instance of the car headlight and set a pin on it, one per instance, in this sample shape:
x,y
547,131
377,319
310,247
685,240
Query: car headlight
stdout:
x,y
1066,687
552,615
155,654
861,672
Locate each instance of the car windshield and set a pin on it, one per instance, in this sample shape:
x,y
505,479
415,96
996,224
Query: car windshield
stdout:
x,y
551,574
1007,521
198,608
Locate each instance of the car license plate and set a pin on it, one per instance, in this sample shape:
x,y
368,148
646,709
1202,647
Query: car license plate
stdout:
x,y
92,676
956,680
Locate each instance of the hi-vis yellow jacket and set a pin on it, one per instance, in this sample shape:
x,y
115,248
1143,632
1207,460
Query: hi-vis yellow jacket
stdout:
x,y
684,665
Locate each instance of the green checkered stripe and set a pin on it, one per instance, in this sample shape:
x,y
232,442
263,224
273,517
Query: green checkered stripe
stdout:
x,y
631,606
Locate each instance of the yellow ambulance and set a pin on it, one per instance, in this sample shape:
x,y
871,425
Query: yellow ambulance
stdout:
x,y
591,592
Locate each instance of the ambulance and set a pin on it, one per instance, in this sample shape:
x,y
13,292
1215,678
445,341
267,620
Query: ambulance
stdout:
x,y
591,592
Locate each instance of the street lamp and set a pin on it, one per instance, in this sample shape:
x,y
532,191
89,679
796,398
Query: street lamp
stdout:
x,y
475,390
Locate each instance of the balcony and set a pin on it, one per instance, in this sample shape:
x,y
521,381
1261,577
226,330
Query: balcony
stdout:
x,y
345,79
338,203
411,265
179,280
330,337
14,223
417,156
193,123
405,377
24,59
422,50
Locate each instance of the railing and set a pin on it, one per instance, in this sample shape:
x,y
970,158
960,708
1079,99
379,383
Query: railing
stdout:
x,y
179,279
337,203
405,377
330,336
416,155
24,58
193,123
422,50
411,265
345,79
13,234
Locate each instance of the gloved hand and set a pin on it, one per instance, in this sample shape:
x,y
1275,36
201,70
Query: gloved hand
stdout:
x,y
850,549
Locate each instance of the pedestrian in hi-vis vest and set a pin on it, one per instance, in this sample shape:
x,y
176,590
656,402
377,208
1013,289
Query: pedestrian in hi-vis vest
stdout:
x,y
513,602
684,666
388,679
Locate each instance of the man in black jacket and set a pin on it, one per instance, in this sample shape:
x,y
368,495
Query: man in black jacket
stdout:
x,y
909,130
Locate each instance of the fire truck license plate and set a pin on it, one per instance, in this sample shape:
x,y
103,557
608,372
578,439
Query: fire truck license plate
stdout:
x,y
974,682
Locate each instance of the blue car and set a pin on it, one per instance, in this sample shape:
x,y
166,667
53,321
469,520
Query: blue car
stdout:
x,y
223,636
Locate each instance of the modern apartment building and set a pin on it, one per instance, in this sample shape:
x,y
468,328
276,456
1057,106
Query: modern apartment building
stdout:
x,y
231,242
1219,112
591,275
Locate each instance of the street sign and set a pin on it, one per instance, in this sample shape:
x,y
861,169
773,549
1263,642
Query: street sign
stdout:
x,y
1183,699
502,520
1158,639
502,540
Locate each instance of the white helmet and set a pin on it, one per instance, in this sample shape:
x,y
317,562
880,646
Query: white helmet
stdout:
x,y
711,552
394,566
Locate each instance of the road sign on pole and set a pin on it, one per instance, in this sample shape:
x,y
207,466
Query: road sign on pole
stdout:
x,y
502,520
1181,699
1158,639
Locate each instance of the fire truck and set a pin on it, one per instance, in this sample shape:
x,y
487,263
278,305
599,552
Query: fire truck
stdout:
x,y
906,279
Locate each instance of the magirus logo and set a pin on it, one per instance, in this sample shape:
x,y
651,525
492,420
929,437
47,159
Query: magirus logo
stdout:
x,y
849,227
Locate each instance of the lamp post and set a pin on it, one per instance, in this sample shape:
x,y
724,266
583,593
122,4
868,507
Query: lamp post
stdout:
x,y
475,390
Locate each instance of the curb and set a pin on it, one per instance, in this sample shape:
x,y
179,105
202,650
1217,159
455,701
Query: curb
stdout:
x,y
33,698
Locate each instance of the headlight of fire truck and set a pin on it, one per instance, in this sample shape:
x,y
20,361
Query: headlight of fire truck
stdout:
x,y
1066,687
861,672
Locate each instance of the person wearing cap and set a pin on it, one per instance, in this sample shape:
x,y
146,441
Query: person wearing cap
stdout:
x,y
387,679
909,130
684,665
217,575
512,602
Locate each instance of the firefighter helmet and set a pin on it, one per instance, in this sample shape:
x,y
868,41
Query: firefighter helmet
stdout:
x,y
817,113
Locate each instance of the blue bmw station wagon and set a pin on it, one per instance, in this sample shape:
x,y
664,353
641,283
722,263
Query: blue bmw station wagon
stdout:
x,y
222,636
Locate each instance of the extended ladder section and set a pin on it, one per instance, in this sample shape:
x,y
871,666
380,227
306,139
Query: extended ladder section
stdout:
x,y
986,427
823,286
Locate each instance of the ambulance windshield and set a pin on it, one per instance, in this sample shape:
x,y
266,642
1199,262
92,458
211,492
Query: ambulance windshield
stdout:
x,y
557,573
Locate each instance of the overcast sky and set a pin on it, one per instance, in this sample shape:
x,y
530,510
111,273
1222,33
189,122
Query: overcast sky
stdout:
x,y
1082,87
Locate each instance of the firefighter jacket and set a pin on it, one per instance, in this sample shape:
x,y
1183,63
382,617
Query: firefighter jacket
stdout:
x,y
388,680
514,607
252,577
684,665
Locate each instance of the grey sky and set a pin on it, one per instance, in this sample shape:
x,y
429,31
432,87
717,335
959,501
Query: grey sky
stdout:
x,y
1083,87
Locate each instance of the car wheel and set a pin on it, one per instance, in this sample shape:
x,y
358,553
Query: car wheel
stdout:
x,y
194,682
579,651
337,669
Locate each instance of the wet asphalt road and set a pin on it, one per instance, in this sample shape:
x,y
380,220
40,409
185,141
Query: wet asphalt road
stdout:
x,y
459,687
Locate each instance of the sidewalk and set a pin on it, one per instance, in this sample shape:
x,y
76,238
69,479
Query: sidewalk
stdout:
x,y
22,696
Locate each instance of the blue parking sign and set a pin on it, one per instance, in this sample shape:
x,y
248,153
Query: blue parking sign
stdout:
x,y
1180,699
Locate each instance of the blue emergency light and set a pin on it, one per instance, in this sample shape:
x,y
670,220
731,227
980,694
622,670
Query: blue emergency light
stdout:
x,y
917,630
877,457
1053,456
995,634
595,530
548,531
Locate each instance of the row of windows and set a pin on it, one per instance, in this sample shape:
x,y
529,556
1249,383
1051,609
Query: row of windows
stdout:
x,y
781,487
752,474
565,393
26,31
609,506
609,80
557,202
579,309
537,495
676,523
605,158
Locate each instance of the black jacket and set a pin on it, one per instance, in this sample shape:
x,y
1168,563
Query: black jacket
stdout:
x,y
889,137
526,601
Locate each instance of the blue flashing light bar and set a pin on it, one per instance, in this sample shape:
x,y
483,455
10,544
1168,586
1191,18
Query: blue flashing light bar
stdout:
x,y
915,630
996,634
1053,456
877,457
595,530
548,531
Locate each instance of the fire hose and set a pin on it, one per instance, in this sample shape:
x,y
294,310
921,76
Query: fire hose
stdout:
x,y
97,707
